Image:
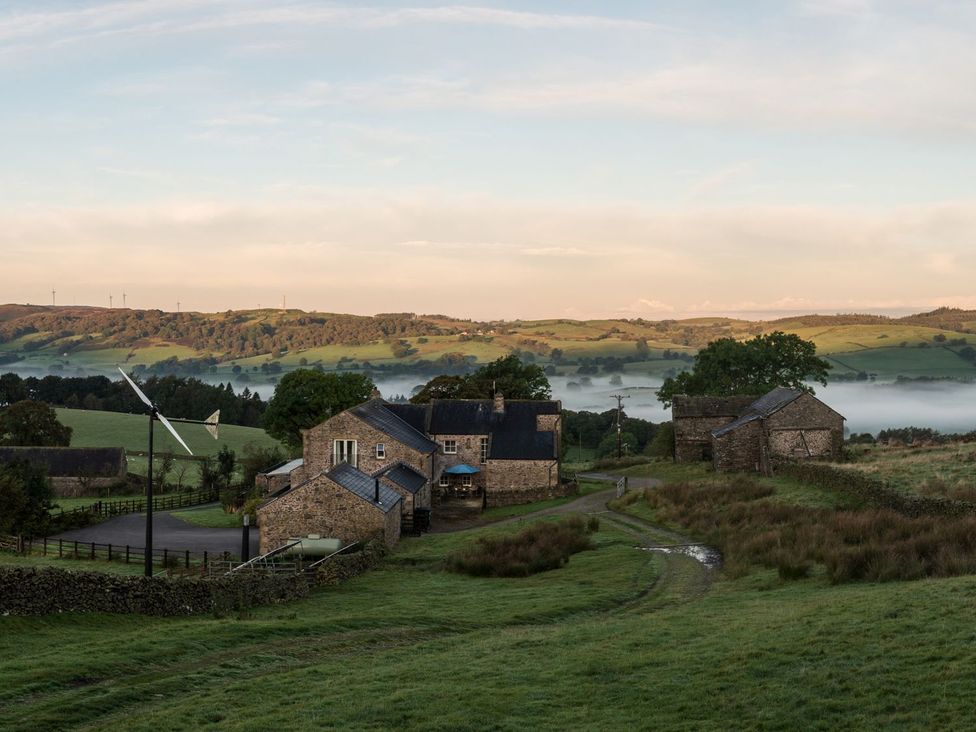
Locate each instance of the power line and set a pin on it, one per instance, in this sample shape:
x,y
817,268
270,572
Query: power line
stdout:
x,y
619,398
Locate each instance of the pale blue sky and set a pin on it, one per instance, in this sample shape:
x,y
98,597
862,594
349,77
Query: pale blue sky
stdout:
x,y
494,160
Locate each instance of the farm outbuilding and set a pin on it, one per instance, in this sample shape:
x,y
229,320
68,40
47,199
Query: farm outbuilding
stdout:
x,y
74,471
749,433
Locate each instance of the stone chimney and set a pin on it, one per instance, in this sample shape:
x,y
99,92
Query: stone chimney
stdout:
x,y
499,403
375,394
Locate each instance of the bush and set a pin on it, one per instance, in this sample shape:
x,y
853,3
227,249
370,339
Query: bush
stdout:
x,y
538,548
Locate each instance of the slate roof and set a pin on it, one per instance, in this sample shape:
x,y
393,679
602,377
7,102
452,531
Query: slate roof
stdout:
x,y
378,414
70,462
518,445
405,477
477,416
764,406
363,486
286,467
414,415
710,406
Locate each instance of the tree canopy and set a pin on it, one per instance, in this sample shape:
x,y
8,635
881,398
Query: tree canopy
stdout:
x,y
508,375
25,494
726,367
304,398
33,424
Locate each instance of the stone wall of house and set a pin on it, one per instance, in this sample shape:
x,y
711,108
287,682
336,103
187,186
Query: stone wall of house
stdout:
x,y
522,481
821,427
547,422
407,499
468,451
739,449
321,506
318,443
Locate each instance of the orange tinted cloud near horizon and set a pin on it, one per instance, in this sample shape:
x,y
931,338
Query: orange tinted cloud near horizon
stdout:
x,y
487,258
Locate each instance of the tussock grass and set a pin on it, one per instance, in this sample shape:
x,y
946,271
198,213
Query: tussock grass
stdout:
x,y
877,545
540,547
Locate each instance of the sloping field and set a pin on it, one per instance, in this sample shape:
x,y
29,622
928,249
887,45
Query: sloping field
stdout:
x,y
847,338
889,363
603,643
131,431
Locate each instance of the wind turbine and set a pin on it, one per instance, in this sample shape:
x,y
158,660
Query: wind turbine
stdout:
x,y
211,423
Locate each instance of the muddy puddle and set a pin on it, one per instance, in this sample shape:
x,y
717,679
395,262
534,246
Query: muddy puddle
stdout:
x,y
709,556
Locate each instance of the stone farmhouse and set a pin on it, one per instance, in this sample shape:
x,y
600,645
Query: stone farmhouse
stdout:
x,y
735,435
501,451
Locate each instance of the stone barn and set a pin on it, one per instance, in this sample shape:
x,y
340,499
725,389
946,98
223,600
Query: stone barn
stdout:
x,y
343,503
74,471
783,424
694,418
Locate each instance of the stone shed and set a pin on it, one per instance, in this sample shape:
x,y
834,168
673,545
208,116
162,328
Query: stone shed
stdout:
x,y
343,503
783,424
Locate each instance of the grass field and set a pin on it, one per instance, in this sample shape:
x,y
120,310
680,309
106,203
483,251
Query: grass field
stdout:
x,y
409,646
211,517
938,469
131,431
889,363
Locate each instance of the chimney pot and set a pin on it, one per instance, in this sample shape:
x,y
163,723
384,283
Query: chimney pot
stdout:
x,y
499,402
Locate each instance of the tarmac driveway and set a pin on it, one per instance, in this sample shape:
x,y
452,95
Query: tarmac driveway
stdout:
x,y
168,533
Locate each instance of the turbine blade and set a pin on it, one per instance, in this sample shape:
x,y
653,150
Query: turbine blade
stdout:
x,y
212,424
137,389
175,433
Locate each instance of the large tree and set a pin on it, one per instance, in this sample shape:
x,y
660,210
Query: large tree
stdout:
x,y
304,398
32,424
726,367
25,499
508,375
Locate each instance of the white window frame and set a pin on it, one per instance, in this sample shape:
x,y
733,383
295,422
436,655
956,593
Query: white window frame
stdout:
x,y
381,451
452,450
444,481
345,451
484,450
466,481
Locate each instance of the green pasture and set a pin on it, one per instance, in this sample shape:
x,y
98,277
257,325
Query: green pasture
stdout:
x,y
846,338
935,469
131,431
599,644
889,363
211,517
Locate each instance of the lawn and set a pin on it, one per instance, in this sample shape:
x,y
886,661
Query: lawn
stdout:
x,y
409,646
211,517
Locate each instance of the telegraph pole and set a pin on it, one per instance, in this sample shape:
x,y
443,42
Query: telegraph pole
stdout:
x,y
619,398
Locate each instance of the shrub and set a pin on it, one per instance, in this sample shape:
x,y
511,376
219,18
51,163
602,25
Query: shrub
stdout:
x,y
537,548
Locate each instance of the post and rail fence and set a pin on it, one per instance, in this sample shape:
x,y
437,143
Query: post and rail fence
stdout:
x,y
95,551
138,505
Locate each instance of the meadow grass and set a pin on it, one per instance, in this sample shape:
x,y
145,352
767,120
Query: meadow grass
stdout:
x,y
946,470
889,363
131,431
39,561
410,646
211,517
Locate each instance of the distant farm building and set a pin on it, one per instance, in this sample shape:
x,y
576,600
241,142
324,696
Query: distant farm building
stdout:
x,y
74,471
783,424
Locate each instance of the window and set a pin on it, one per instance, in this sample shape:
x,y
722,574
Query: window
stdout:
x,y
484,450
344,451
450,447
444,482
466,481
380,451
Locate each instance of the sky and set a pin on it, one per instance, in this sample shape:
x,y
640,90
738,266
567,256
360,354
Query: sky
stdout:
x,y
567,159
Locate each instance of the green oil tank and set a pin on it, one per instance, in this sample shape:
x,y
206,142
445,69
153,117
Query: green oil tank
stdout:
x,y
313,545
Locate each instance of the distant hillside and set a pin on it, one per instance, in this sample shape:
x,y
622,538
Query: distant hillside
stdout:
x,y
239,343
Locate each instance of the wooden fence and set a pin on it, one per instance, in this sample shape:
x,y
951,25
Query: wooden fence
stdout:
x,y
93,551
138,505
